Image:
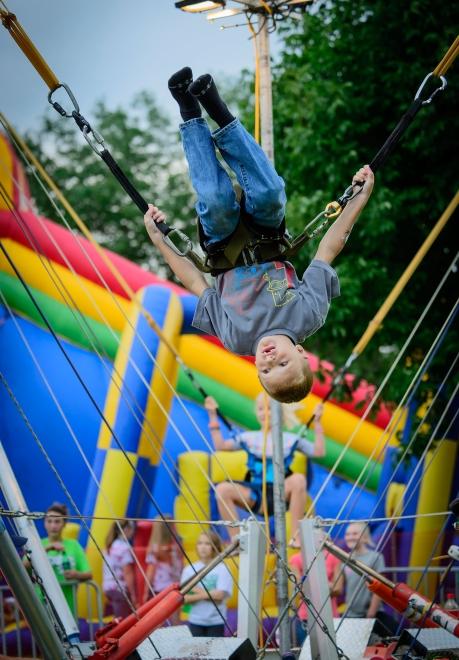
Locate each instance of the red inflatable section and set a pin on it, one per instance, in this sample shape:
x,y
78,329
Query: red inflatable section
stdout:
x,y
76,252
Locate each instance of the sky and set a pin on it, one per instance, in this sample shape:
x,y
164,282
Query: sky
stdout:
x,y
110,50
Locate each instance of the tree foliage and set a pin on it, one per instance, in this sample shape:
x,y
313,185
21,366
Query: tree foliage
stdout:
x,y
345,77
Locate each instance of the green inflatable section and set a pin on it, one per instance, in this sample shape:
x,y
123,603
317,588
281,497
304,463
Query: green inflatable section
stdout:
x,y
88,333
68,323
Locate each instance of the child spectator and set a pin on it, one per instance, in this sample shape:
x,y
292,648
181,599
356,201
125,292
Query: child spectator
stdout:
x,y
66,556
258,306
249,492
361,603
164,560
335,579
208,607
119,569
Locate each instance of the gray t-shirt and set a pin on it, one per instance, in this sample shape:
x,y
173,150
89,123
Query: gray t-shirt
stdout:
x,y
357,595
204,612
250,302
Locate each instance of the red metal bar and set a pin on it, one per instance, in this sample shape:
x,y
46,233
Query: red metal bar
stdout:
x,y
119,649
414,606
439,617
116,628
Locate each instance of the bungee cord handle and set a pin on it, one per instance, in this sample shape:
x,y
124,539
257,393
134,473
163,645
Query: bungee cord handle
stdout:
x,y
420,100
97,144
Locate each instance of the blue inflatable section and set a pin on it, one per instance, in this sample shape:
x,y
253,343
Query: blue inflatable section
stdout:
x,y
78,425
21,342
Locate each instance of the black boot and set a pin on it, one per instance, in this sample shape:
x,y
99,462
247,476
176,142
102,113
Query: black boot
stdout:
x,y
178,86
204,89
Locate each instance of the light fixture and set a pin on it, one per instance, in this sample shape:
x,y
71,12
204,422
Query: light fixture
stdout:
x,y
223,13
194,6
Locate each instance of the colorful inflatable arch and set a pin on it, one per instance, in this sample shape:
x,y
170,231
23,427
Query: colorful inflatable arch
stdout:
x,y
107,400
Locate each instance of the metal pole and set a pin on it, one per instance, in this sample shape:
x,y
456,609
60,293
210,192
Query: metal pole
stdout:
x,y
279,522
252,542
266,98
40,562
317,590
267,143
20,584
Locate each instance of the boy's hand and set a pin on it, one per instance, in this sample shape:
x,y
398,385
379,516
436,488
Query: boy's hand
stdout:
x,y
366,177
151,218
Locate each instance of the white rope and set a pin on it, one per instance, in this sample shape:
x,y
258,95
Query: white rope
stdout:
x,y
377,394
328,522
383,541
408,389
428,409
63,485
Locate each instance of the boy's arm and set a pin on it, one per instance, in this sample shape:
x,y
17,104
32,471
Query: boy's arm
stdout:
x,y
335,238
185,271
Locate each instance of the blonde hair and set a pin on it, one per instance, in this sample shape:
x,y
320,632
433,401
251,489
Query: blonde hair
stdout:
x,y
365,534
162,532
215,542
115,531
291,392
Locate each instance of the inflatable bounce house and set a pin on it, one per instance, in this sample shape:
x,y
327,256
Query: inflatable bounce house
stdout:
x,y
92,399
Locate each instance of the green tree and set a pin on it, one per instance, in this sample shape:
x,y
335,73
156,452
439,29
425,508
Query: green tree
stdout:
x,y
142,141
344,78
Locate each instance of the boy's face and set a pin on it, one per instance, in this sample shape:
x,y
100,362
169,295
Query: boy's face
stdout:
x,y
54,524
278,360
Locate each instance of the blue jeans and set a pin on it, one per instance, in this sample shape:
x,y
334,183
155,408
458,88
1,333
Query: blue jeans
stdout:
x,y
207,631
217,206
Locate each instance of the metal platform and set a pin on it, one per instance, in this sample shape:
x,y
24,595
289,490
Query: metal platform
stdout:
x,y
435,639
351,637
177,642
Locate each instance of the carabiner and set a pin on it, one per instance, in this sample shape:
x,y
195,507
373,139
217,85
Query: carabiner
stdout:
x,y
57,106
87,130
444,82
183,237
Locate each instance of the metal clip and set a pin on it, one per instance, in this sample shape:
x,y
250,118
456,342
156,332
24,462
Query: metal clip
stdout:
x,y
435,91
57,106
87,130
183,237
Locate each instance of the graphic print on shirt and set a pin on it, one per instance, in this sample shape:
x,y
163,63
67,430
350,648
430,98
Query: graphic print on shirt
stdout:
x,y
280,289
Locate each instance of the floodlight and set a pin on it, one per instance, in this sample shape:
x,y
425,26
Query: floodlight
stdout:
x,y
223,13
195,6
